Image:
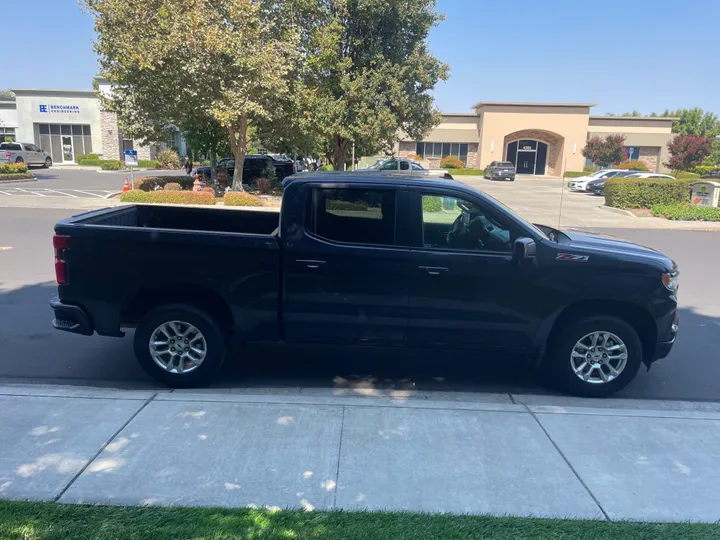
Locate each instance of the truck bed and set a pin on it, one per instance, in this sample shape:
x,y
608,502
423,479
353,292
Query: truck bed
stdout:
x,y
183,218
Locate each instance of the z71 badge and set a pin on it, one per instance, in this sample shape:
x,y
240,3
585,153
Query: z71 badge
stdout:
x,y
572,258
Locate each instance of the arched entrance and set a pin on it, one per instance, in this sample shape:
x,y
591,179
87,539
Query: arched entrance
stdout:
x,y
534,151
528,156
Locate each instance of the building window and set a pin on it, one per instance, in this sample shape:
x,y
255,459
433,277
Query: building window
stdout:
x,y
64,141
634,155
127,145
7,133
430,150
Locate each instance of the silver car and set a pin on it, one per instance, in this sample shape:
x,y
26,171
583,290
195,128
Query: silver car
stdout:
x,y
15,152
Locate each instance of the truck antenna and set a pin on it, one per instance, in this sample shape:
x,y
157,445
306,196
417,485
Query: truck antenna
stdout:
x,y
562,191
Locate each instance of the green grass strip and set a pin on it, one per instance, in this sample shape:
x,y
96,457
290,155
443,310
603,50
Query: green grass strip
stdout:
x,y
48,521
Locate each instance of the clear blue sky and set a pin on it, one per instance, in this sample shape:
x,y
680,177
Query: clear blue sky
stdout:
x,y
621,54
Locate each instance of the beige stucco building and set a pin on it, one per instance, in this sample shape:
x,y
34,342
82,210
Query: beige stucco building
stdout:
x,y
544,139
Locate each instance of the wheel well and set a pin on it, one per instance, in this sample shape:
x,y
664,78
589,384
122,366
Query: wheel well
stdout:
x,y
634,315
148,298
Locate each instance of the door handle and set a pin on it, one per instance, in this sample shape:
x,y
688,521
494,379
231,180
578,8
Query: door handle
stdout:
x,y
433,270
311,263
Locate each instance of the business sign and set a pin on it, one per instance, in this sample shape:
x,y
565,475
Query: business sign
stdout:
x,y
631,152
71,109
131,159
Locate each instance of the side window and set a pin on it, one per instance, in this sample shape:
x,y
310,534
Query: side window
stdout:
x,y
31,148
389,166
458,225
404,166
417,167
355,216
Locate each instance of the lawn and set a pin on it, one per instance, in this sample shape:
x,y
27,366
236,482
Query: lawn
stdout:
x,y
46,521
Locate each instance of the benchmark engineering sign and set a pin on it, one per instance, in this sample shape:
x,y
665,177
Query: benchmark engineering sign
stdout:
x,y
60,109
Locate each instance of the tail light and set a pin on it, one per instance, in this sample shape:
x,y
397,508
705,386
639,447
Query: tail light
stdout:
x,y
7,156
61,243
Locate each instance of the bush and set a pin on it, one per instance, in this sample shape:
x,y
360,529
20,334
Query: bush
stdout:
x,y
207,189
83,157
87,162
576,174
632,165
327,168
112,165
264,185
451,162
240,198
168,197
148,164
467,172
17,176
645,192
684,175
172,186
687,212
589,169
167,158
151,183
13,168
432,204
703,169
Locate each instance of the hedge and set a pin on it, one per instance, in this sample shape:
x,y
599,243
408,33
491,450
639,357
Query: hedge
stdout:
x,y
168,197
431,204
239,198
451,162
16,176
327,168
88,162
645,192
83,157
13,168
687,212
150,183
467,172
148,164
112,165
575,174
685,175
703,169
632,165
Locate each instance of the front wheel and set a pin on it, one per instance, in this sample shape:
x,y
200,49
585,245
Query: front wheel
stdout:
x,y
48,163
594,356
179,346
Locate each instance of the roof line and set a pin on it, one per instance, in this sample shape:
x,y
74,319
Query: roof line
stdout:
x,y
634,118
531,104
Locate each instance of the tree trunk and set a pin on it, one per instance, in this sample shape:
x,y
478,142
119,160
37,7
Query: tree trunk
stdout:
x,y
340,148
238,143
213,165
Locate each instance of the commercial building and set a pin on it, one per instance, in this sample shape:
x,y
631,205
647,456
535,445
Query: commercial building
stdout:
x,y
543,139
70,123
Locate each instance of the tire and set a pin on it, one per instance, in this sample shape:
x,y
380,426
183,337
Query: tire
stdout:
x,y
560,372
19,160
214,345
48,163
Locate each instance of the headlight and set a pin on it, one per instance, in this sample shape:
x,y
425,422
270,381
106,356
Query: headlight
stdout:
x,y
670,280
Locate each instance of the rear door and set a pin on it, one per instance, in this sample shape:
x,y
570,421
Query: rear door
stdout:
x,y
465,288
345,268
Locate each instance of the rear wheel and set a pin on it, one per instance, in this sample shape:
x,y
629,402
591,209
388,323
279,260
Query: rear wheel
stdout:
x,y
48,163
179,346
594,356
19,160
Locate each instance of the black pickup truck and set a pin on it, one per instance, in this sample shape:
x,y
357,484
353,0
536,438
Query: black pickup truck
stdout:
x,y
362,259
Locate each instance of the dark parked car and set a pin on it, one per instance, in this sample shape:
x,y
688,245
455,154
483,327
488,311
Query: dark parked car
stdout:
x,y
712,175
362,259
597,186
500,170
254,166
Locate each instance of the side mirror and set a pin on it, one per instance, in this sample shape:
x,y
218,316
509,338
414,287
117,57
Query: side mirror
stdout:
x,y
524,249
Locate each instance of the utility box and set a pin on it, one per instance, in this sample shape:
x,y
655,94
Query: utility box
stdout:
x,y
705,193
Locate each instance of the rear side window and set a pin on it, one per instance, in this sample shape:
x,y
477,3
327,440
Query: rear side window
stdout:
x,y
353,216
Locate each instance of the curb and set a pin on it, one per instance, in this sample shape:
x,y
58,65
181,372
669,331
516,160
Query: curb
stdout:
x,y
617,210
18,181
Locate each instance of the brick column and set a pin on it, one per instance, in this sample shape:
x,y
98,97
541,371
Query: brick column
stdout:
x,y
111,142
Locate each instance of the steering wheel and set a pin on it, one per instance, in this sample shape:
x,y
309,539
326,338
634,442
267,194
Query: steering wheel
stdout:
x,y
458,229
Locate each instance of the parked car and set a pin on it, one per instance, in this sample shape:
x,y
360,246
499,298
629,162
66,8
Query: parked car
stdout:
x,y
597,186
253,168
712,175
580,183
407,166
641,174
361,259
16,152
500,170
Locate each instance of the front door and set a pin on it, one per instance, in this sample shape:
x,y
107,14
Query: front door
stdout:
x,y
345,274
67,150
465,288
525,162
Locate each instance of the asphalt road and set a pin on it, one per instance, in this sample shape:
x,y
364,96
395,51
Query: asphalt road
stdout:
x,y
32,351
76,179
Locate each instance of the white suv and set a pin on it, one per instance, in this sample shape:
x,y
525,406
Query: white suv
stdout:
x,y
580,183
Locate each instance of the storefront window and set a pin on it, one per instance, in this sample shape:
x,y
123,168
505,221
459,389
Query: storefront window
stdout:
x,y
64,141
7,133
428,150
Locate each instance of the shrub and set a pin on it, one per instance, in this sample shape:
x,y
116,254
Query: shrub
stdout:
x,y
683,175
87,162
13,168
645,192
270,173
172,186
148,163
575,174
168,197
451,162
687,151
17,176
467,172
168,158
605,152
432,204
207,189
111,165
703,169
632,165
240,198
264,185
151,183
687,212
589,169
327,168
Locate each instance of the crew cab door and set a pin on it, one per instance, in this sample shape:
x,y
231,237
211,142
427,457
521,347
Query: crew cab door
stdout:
x,y
465,287
345,270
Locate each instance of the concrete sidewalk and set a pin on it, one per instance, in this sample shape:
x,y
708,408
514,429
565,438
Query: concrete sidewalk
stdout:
x,y
461,453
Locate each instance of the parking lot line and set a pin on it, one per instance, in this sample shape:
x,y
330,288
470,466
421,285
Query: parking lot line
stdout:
x,y
88,193
63,193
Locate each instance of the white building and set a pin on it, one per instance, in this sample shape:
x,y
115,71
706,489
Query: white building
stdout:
x,y
69,123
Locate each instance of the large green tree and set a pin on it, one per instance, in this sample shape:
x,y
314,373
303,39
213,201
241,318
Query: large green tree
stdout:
x,y
204,134
366,72
694,122
169,59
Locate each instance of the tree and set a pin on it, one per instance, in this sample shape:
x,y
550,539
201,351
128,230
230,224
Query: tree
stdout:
x,y
367,72
687,151
6,93
169,59
605,152
694,121
205,134
713,158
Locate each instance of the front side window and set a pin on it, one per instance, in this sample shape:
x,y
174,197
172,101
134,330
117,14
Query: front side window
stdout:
x,y
458,225
390,165
354,216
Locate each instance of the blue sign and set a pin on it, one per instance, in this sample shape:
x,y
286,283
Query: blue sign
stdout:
x,y
73,109
131,159
632,151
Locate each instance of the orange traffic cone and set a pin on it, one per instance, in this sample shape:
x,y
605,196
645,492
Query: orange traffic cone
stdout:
x,y
126,187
